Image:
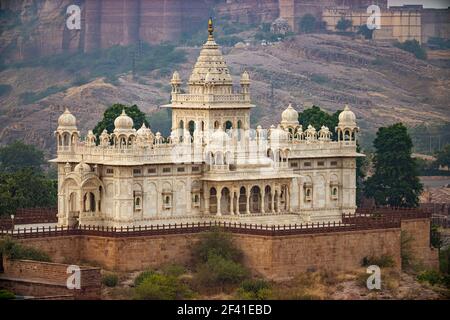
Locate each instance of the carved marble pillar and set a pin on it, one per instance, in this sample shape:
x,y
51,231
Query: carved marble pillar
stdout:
x,y
248,200
219,203
288,200
206,203
278,201
232,203
273,199
237,201
263,195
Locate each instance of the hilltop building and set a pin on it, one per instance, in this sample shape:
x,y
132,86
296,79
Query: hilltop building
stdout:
x,y
213,166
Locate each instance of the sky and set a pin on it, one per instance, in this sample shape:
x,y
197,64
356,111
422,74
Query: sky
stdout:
x,y
426,3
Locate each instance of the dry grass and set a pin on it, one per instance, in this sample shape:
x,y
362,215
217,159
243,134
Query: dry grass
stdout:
x,y
306,286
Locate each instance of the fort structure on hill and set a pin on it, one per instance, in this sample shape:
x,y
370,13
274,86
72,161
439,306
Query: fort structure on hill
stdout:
x,y
213,165
106,23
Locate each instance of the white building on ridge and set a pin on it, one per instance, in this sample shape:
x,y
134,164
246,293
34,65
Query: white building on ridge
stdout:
x,y
212,167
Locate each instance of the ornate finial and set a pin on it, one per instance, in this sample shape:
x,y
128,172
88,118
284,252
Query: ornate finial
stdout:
x,y
210,27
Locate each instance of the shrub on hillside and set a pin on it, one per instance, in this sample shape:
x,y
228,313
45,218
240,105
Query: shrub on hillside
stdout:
x,y
161,287
5,89
414,47
220,271
174,270
217,243
383,261
145,274
15,251
434,278
110,280
6,295
258,289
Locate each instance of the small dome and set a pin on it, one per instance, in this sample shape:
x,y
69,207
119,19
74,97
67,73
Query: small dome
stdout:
x,y
123,122
176,79
245,78
143,130
67,120
82,166
289,115
347,118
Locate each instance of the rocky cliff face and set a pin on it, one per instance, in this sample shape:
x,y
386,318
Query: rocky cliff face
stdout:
x,y
33,28
249,11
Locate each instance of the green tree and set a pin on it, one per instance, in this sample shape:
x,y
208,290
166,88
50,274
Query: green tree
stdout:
x,y
25,188
317,118
365,31
18,155
162,287
161,121
344,24
414,47
113,112
308,23
443,156
395,181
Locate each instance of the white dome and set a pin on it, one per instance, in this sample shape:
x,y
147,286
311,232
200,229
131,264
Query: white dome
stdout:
x,y
347,118
143,130
67,120
176,79
289,116
82,166
123,122
245,78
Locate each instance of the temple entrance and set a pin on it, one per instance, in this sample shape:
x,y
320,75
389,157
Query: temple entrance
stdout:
x,y
89,202
242,201
213,201
255,200
268,199
225,201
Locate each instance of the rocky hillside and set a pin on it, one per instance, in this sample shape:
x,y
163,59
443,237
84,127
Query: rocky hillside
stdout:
x,y
382,84
33,28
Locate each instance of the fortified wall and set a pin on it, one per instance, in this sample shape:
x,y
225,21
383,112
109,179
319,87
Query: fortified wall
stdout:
x,y
48,280
272,256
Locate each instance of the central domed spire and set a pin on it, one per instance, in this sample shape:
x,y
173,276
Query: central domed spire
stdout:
x,y
210,62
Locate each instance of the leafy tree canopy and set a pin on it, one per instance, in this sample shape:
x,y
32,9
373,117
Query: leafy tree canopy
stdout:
x,y
307,23
317,118
395,182
414,47
25,188
344,24
18,155
365,31
114,111
443,156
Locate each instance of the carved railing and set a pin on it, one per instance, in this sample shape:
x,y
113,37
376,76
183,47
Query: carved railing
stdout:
x,y
183,228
